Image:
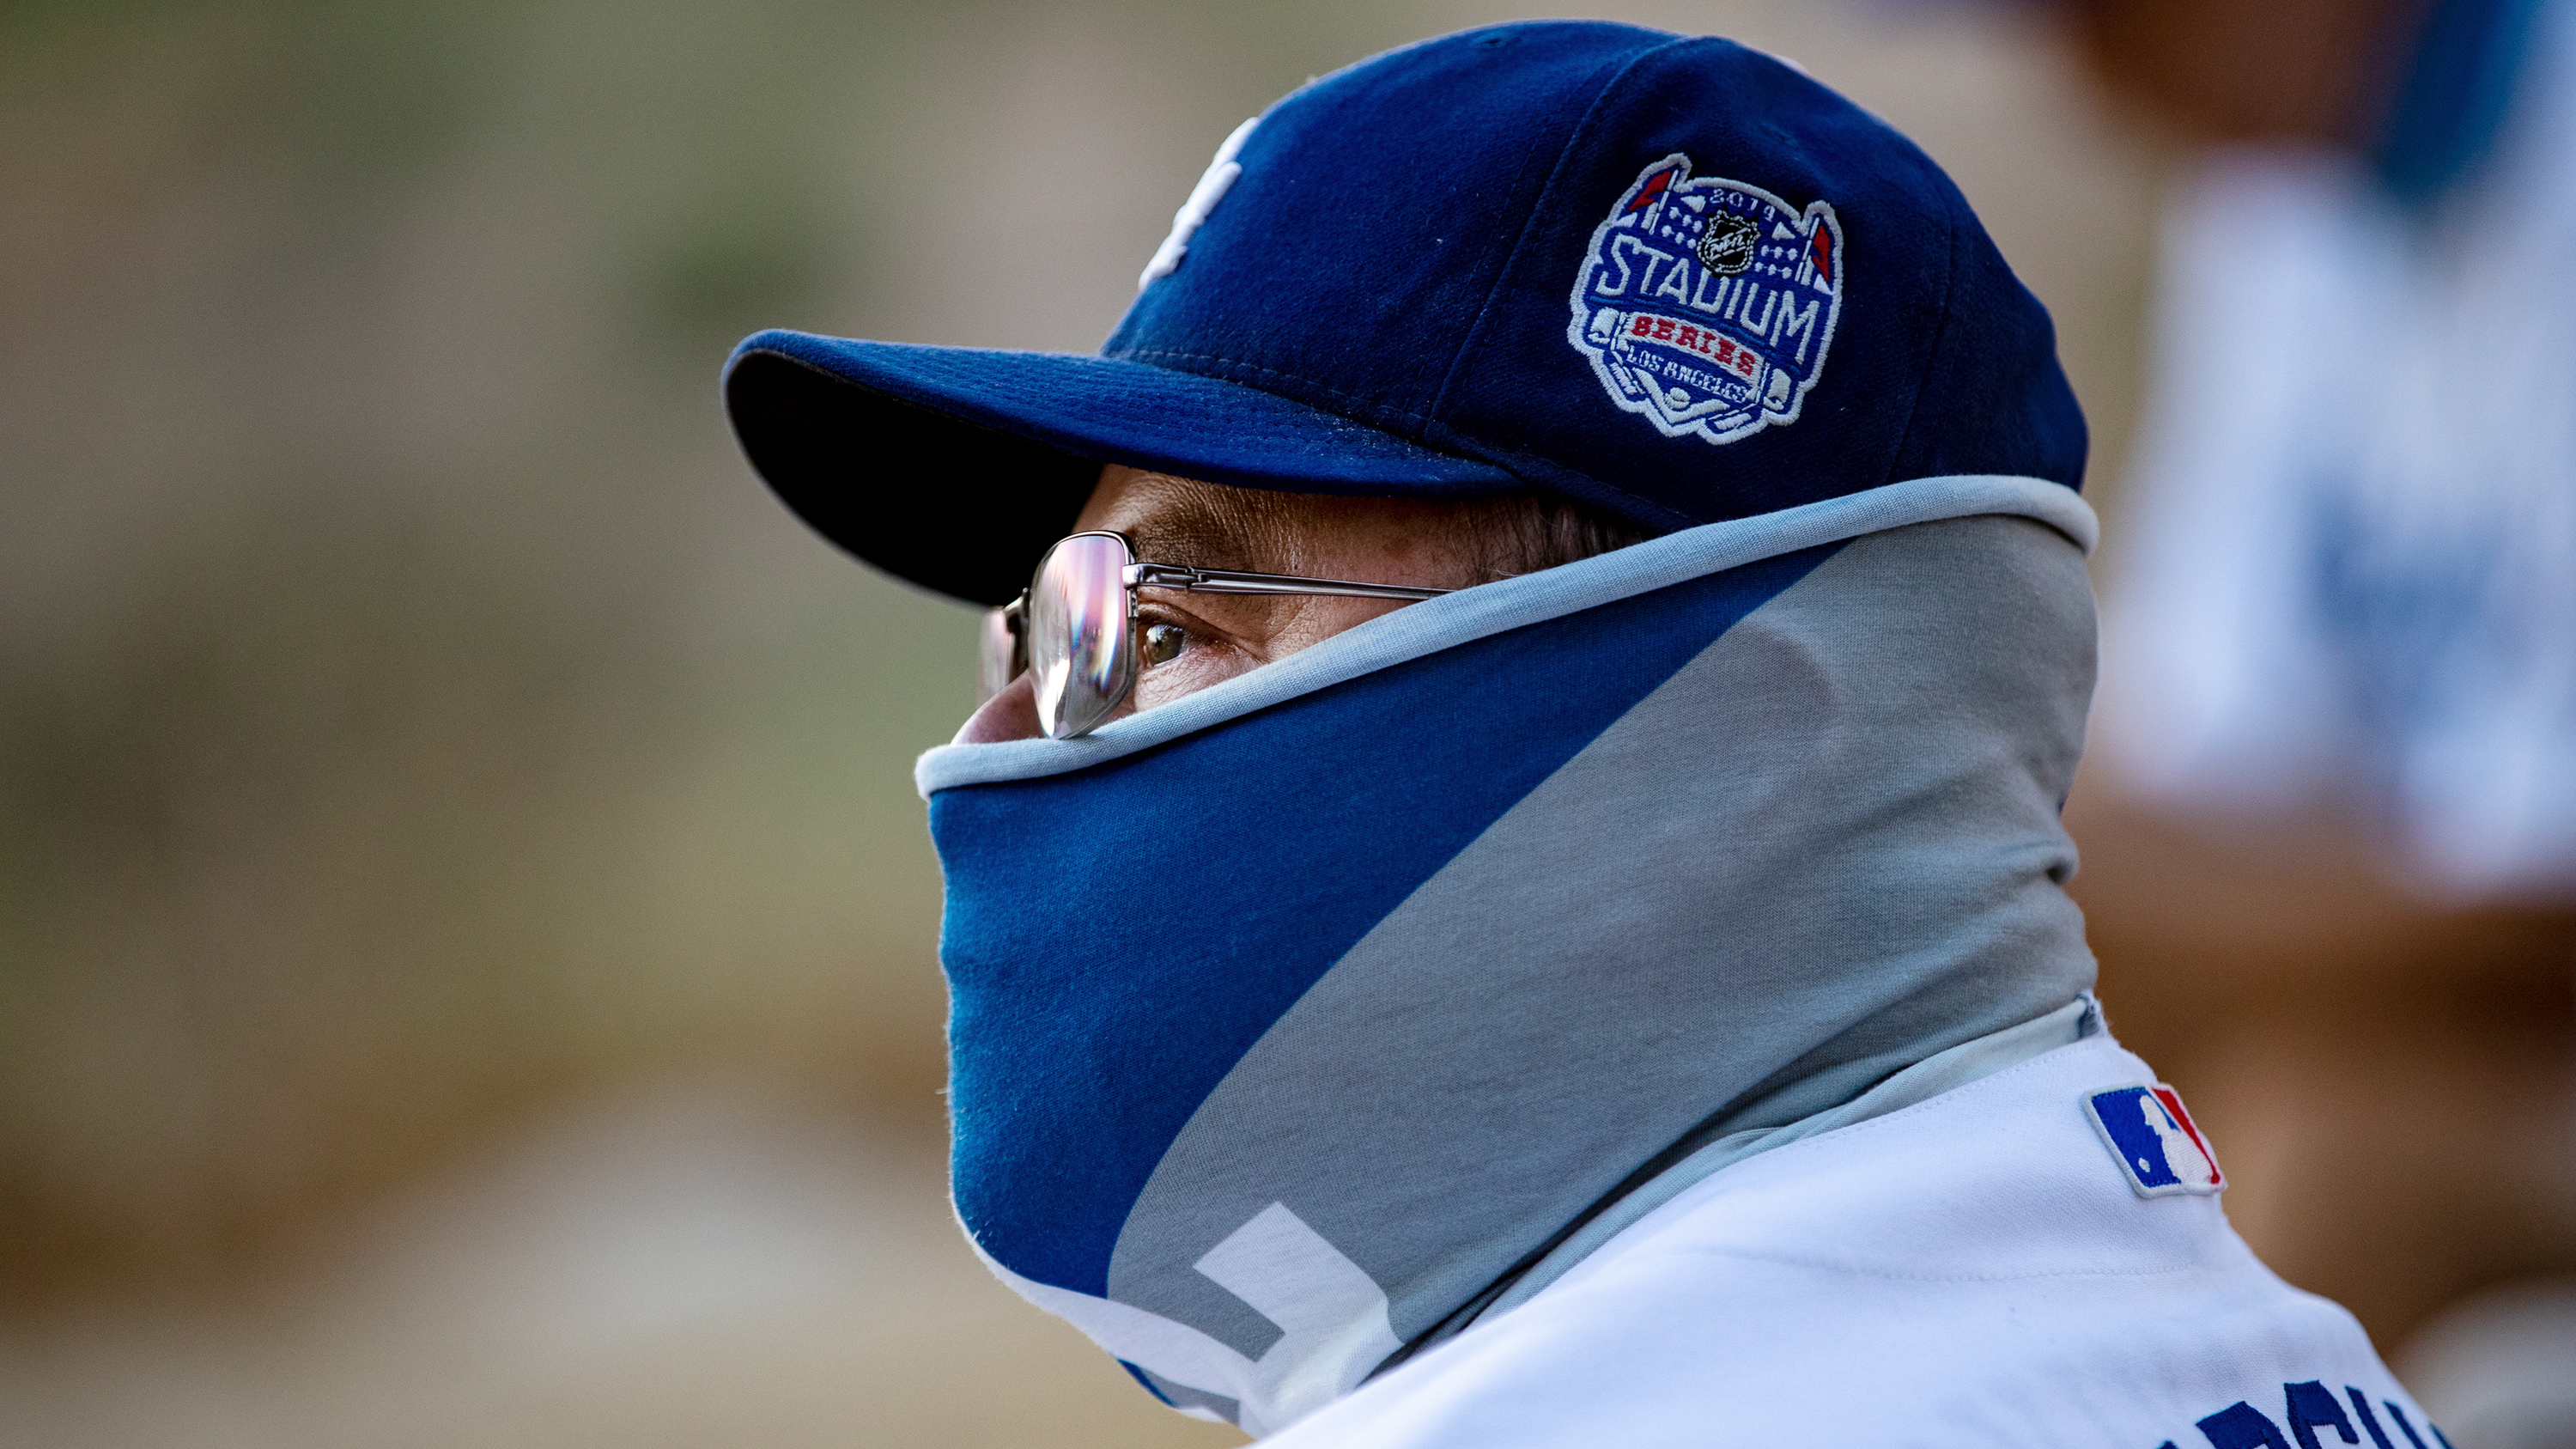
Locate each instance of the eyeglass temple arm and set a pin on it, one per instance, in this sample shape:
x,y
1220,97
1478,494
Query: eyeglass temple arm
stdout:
x,y
1223,581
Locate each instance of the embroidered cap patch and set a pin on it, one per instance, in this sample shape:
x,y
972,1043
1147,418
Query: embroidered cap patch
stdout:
x,y
2153,1137
1213,185
1706,305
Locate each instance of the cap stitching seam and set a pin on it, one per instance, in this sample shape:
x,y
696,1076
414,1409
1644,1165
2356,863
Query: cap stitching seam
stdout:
x,y
1384,409
1484,310
1931,356
1513,455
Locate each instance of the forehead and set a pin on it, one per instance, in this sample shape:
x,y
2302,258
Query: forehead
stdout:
x,y
1185,521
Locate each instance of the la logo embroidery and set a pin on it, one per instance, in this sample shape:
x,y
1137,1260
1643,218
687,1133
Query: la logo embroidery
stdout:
x,y
1706,305
1194,212
2153,1137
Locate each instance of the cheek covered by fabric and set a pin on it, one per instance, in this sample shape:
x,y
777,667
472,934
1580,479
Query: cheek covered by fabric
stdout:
x,y
1117,939
1278,1044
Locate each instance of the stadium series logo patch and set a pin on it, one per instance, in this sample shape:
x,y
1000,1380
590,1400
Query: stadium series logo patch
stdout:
x,y
2154,1139
1706,305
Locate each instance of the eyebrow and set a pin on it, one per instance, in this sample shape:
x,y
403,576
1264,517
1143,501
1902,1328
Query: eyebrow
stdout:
x,y
1195,529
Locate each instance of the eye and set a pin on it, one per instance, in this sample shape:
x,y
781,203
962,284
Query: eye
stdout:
x,y
1162,642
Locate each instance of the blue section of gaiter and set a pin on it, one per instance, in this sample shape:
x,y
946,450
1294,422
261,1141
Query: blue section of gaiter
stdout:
x,y
1117,938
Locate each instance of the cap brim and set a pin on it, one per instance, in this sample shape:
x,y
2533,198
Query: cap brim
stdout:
x,y
956,467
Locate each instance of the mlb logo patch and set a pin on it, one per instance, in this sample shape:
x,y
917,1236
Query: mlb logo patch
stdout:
x,y
2154,1138
1706,305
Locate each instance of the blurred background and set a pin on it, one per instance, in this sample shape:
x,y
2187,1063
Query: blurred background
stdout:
x,y
467,936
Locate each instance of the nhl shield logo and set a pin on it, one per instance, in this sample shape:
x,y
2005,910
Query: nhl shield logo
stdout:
x,y
1706,305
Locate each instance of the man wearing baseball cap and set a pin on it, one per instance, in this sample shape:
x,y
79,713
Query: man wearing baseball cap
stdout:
x,y
1509,890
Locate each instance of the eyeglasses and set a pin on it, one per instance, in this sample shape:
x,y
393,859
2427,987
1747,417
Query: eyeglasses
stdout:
x,y
1075,626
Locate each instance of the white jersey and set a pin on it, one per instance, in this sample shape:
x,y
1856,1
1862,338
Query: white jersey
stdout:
x,y
2346,570
2009,1263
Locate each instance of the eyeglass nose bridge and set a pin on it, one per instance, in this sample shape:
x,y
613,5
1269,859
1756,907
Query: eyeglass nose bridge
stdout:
x,y
1001,648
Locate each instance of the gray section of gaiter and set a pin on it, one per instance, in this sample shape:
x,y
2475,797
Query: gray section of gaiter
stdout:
x,y
1182,1396
1825,849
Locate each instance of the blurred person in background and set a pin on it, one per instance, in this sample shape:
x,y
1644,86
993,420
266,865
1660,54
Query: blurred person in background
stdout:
x,y
2330,840
1510,889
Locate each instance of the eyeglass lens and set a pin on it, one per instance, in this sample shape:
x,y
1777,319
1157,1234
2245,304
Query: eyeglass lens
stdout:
x,y
1077,633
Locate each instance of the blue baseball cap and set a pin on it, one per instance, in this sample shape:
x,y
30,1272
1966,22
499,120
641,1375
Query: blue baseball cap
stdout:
x,y
1670,278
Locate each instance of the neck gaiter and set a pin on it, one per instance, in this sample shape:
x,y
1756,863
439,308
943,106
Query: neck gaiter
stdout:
x,y
1291,1019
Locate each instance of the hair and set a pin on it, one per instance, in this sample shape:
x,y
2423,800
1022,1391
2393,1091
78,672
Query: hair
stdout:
x,y
1503,537
1522,533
